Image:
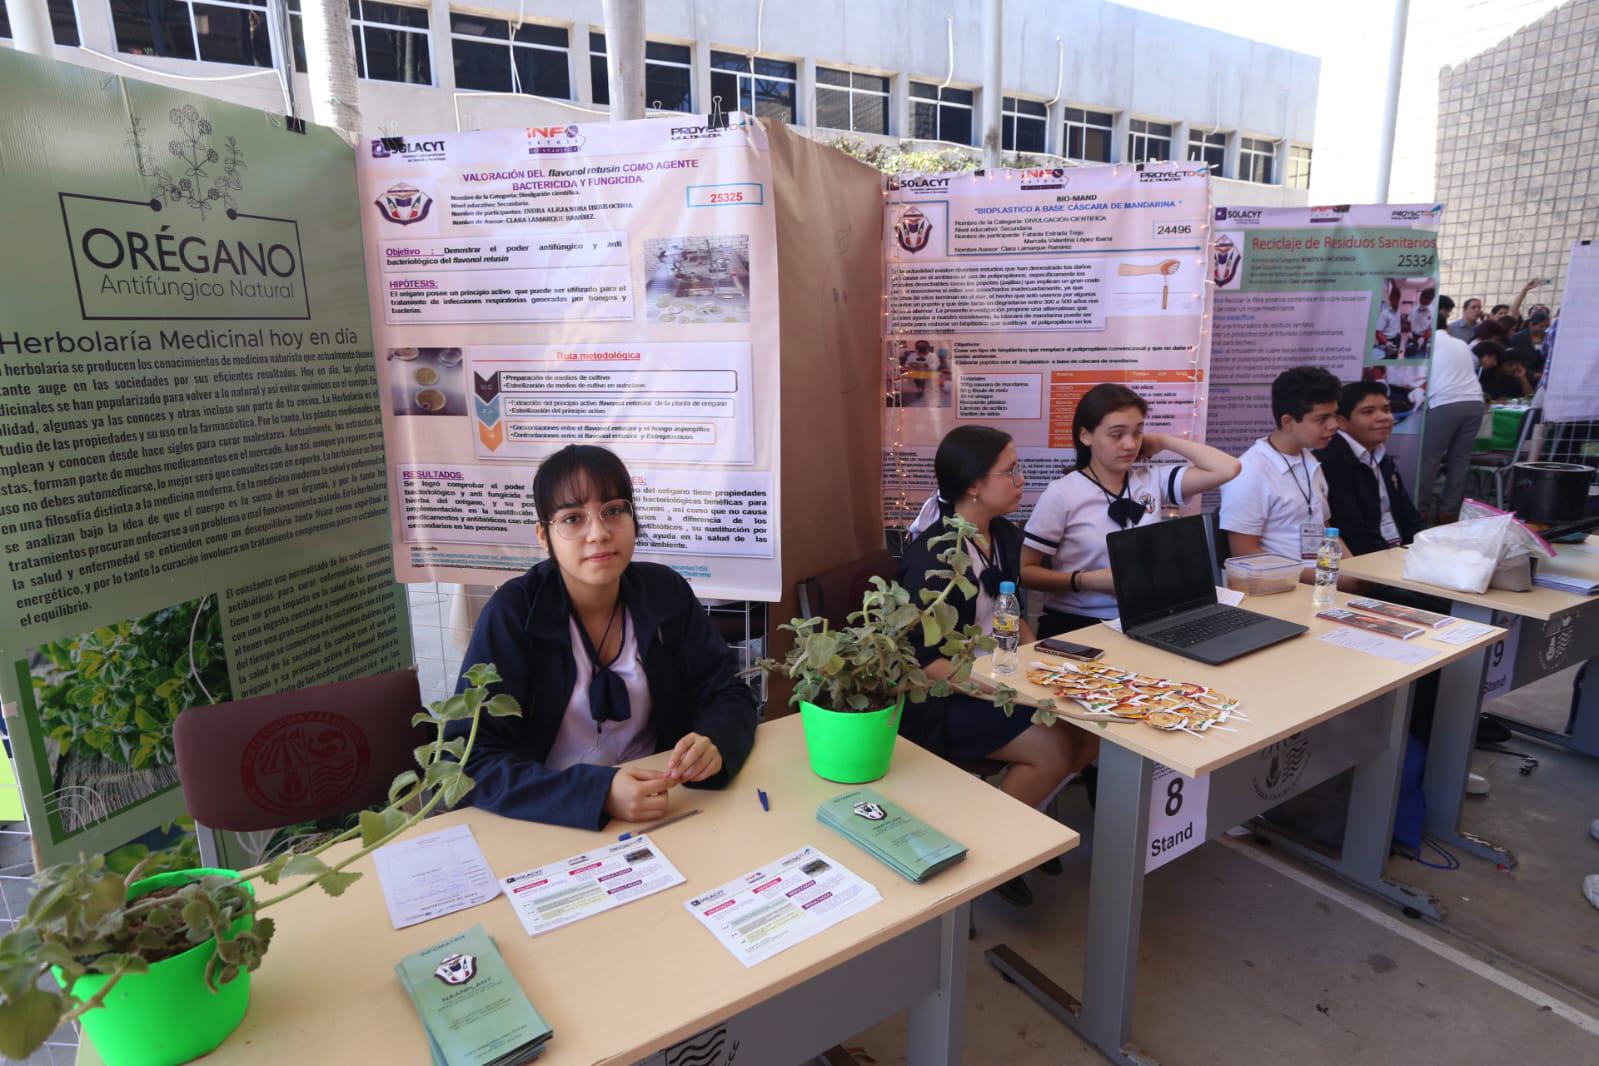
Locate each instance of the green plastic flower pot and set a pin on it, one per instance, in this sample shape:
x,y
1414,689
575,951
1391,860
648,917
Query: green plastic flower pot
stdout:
x,y
168,1015
847,747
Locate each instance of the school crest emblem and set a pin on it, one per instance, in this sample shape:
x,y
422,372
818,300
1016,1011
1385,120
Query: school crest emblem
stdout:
x,y
456,969
913,230
404,204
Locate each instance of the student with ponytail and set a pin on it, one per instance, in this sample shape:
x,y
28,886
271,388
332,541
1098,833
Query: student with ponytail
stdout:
x,y
1064,552
980,479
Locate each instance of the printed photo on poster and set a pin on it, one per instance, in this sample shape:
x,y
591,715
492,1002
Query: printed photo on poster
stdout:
x,y
698,279
919,373
431,383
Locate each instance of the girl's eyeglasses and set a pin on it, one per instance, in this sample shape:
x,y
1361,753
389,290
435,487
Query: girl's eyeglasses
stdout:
x,y
573,524
1014,473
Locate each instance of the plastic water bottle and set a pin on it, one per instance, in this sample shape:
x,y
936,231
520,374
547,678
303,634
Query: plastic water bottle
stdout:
x,y
1007,628
1327,557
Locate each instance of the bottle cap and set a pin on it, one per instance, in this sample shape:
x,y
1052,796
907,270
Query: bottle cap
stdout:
x,y
1007,588
1332,531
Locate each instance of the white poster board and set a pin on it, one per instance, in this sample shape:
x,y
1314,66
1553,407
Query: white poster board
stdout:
x,y
1572,392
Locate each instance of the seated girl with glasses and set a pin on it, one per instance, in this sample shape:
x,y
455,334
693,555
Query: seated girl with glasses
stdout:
x,y
611,660
1064,551
980,479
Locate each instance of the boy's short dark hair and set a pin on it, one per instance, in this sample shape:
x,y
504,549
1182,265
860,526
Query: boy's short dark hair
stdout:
x,y
1298,390
1350,395
1445,305
1513,355
1489,348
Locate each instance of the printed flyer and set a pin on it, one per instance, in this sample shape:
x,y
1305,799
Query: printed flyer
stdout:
x,y
1351,289
1010,294
193,506
607,283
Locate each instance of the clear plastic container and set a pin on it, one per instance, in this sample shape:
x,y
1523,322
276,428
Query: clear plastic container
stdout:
x,y
1263,574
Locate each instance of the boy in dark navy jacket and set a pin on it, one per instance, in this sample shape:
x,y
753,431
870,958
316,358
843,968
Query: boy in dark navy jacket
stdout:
x,y
1366,499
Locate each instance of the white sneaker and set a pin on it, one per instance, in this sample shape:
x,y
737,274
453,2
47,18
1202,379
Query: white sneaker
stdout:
x,y
1477,785
1590,888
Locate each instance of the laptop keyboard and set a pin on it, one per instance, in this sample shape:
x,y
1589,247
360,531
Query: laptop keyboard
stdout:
x,y
1199,630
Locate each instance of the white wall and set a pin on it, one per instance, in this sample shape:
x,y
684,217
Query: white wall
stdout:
x,y
1115,58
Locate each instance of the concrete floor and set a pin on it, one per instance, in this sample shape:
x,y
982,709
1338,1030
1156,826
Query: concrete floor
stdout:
x,y
1249,957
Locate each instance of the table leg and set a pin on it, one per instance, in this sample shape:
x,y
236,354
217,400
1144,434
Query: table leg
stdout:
x,y
1583,734
1115,907
938,1021
1369,827
1449,748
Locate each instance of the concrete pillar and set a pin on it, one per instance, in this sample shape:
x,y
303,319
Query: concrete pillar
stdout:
x,y
1179,141
439,40
805,94
991,99
30,26
624,57
1230,166
899,106
1118,150
700,60
95,28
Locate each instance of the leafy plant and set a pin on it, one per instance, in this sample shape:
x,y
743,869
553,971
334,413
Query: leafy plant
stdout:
x,y
906,158
116,690
872,663
81,920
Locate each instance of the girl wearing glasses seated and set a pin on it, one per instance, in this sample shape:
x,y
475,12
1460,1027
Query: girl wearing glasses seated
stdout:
x,y
611,660
980,478
1064,551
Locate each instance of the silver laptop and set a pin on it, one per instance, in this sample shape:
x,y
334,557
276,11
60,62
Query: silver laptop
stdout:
x,y
1166,594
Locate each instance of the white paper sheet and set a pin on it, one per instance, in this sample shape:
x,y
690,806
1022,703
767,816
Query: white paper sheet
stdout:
x,y
434,875
1460,632
1372,644
781,904
588,884
1227,597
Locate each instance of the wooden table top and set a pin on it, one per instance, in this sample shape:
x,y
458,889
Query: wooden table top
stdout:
x,y
1576,560
625,984
1284,688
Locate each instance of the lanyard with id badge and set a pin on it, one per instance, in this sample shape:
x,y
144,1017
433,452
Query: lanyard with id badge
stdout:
x,y
1310,532
1389,528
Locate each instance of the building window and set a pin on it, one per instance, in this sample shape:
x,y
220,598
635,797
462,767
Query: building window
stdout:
x,y
668,79
391,41
1298,166
1254,160
1210,148
766,88
63,22
1148,142
227,31
1089,135
1025,123
848,100
488,51
941,114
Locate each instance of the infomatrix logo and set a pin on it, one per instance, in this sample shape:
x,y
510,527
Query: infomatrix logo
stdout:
x,y
403,204
1044,178
553,140
1329,213
384,147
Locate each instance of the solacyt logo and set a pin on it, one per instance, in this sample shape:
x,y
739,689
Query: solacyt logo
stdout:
x,y
385,147
918,184
1237,214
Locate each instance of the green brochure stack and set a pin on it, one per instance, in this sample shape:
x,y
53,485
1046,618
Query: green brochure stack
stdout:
x,y
891,834
472,1008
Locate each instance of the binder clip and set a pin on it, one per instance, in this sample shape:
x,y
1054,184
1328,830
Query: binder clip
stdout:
x,y
716,119
294,125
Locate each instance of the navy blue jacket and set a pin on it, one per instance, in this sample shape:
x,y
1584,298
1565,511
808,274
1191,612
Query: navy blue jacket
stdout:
x,y
1354,504
924,723
524,631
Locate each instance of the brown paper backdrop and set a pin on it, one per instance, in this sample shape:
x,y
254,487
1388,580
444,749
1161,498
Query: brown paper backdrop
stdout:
x,y
830,282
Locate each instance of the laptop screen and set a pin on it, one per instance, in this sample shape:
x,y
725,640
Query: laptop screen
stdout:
x,y
1161,568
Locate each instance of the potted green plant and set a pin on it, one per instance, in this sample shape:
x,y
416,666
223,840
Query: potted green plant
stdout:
x,y
158,967
852,684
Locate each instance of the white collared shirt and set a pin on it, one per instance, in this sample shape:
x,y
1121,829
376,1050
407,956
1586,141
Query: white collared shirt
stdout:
x,y
1389,322
1371,459
1269,500
1072,518
609,743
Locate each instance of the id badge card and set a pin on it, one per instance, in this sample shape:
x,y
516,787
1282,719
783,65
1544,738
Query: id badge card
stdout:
x,y
1310,534
1390,529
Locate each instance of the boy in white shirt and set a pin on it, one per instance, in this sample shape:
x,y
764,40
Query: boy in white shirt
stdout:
x,y
1279,503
